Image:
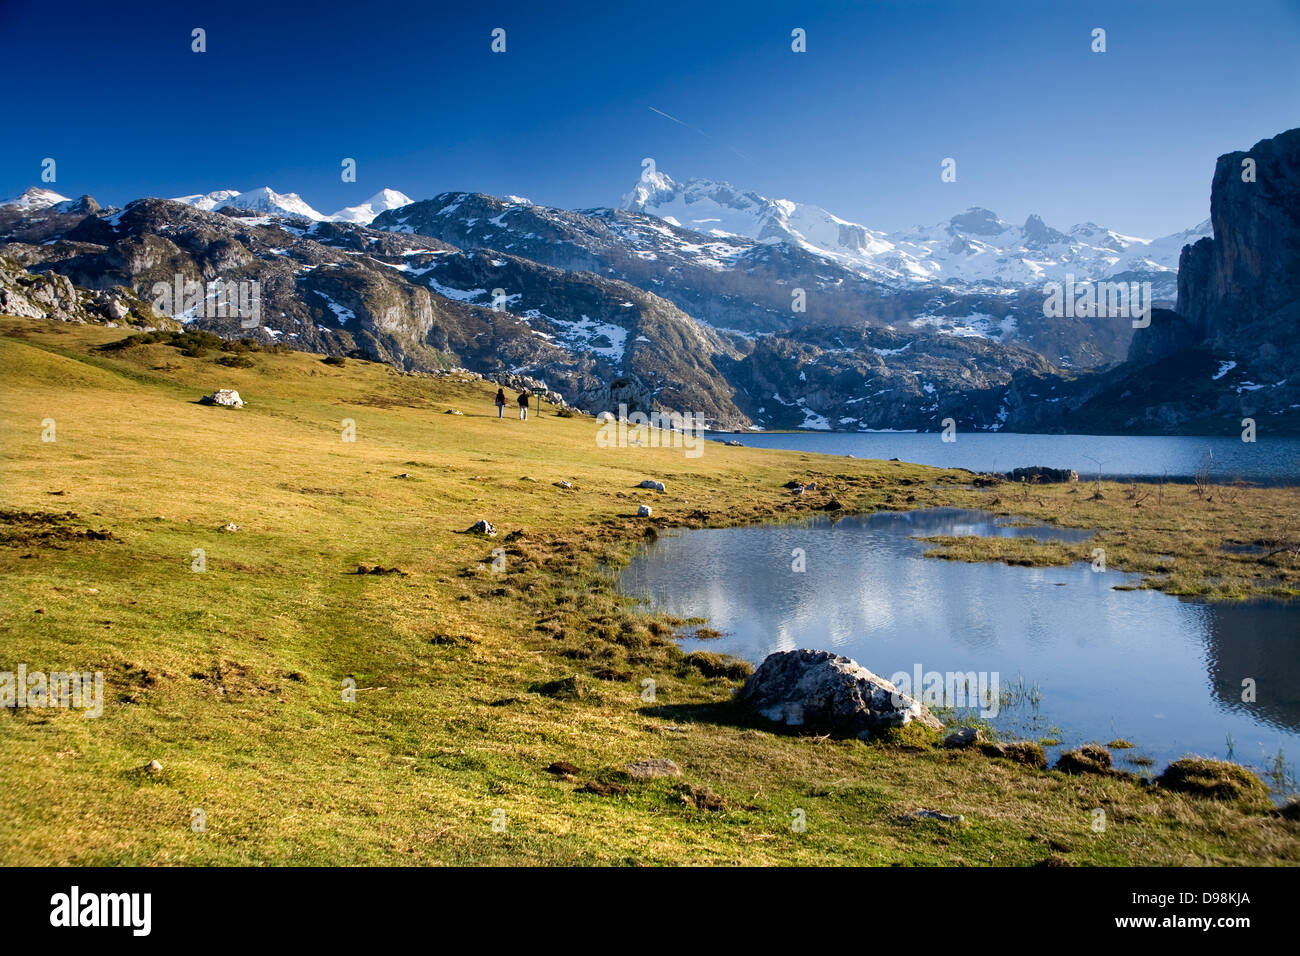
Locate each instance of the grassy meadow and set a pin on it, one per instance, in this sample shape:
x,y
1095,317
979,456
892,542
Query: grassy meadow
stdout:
x,y
494,712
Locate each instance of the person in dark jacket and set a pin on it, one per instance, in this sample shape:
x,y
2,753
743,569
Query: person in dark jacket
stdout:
x,y
523,406
501,402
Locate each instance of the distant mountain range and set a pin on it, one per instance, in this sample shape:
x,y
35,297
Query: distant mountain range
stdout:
x,y
263,201
974,246
698,297
268,202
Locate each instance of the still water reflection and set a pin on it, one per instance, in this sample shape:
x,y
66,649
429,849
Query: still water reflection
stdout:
x,y
1085,662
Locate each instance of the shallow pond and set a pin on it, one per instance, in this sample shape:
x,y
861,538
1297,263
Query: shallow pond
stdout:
x,y
1074,659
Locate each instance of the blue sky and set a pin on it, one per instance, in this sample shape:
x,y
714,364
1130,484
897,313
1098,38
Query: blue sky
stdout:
x,y
859,123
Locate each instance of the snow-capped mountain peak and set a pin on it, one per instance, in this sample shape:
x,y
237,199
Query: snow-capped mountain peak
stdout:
x,y
208,201
35,198
267,201
365,213
720,209
702,205
977,221
648,189
974,246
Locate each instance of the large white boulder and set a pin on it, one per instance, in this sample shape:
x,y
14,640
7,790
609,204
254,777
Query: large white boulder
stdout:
x,y
224,396
824,693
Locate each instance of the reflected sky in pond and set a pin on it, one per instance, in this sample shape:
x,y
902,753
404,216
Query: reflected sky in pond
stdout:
x,y
1089,662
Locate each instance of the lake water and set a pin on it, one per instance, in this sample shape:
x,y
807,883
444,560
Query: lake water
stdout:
x,y
1088,663
1271,461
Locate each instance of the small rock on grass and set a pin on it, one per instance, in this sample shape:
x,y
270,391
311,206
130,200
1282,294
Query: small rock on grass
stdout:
x,y
924,814
644,511
482,527
654,767
964,737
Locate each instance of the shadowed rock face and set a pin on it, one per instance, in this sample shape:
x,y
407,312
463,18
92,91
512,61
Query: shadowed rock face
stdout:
x,y
1168,334
1243,286
1231,350
824,693
1239,292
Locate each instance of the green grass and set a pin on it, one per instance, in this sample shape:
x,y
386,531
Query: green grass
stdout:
x,y
1224,543
232,678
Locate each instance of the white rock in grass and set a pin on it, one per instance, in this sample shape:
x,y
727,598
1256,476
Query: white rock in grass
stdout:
x,y
654,767
224,396
824,693
924,814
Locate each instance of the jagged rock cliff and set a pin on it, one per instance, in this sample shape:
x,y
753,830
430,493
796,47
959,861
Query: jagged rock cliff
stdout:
x,y
1241,289
1231,350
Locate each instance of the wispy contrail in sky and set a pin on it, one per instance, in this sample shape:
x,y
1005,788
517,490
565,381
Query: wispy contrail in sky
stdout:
x,y
711,139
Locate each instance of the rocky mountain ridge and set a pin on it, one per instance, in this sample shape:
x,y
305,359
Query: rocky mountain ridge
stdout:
x,y
414,302
753,320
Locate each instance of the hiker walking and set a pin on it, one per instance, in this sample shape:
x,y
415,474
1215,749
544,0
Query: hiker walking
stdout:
x,y
501,402
523,405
